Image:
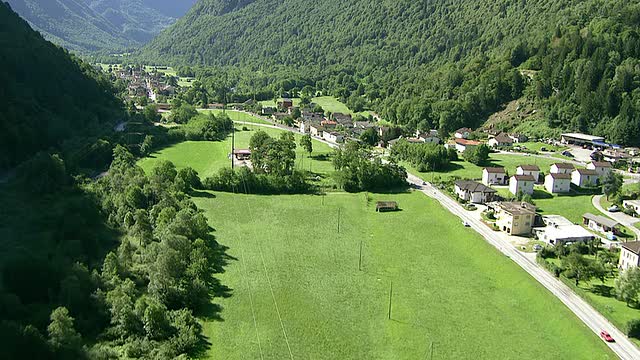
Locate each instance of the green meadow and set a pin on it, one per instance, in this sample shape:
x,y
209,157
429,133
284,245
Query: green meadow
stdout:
x,y
207,157
298,288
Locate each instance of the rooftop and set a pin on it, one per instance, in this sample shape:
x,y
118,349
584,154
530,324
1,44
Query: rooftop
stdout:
x,y
564,166
633,246
530,167
503,138
524,178
495,170
584,137
467,142
517,208
601,220
474,186
556,220
586,172
602,164
566,232
560,176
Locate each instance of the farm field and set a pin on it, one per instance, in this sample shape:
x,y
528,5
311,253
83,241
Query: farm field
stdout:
x,y
296,291
207,157
238,116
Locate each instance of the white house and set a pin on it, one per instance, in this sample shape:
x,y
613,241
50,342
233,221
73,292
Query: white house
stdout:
x,y
629,255
316,130
584,177
518,138
474,192
560,231
601,167
500,140
494,176
463,133
557,183
532,170
430,136
600,223
515,218
305,127
561,168
521,183
332,136
462,144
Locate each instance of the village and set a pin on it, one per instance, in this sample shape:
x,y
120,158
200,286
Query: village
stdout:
x,y
539,198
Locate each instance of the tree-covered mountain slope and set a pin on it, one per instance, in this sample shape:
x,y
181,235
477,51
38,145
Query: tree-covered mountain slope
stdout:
x,y
46,95
91,25
378,32
443,63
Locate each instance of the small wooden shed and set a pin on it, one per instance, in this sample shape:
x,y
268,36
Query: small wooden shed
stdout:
x,y
382,206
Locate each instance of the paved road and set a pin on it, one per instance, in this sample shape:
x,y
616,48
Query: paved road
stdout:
x,y
592,318
287,128
620,217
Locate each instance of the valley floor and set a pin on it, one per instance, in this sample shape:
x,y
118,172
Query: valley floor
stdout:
x,y
297,291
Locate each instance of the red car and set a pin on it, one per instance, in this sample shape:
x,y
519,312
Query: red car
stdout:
x,y
606,337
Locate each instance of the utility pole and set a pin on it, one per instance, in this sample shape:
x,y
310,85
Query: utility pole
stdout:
x,y
360,261
390,298
224,92
431,351
233,144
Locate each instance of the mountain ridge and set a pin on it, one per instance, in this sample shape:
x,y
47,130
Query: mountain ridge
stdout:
x,y
98,25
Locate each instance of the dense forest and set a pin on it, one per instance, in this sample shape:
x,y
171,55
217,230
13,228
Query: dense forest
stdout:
x,y
47,95
100,25
441,64
116,265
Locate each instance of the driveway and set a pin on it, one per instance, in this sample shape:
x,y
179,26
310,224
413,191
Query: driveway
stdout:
x,y
620,217
623,347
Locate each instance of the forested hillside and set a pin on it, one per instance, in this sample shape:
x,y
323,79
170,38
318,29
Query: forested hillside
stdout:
x,y
114,266
46,96
93,25
442,63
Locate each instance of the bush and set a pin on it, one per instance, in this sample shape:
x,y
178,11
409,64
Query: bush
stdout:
x,y
244,180
632,329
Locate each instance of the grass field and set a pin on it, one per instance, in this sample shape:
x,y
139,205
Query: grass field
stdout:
x,y
296,291
238,116
330,103
270,103
207,157
570,206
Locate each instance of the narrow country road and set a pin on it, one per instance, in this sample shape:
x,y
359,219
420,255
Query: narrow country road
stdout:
x,y
623,347
287,128
620,217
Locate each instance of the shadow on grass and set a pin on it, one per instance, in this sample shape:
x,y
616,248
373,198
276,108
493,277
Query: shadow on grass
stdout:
x,y
602,290
202,194
539,194
321,157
